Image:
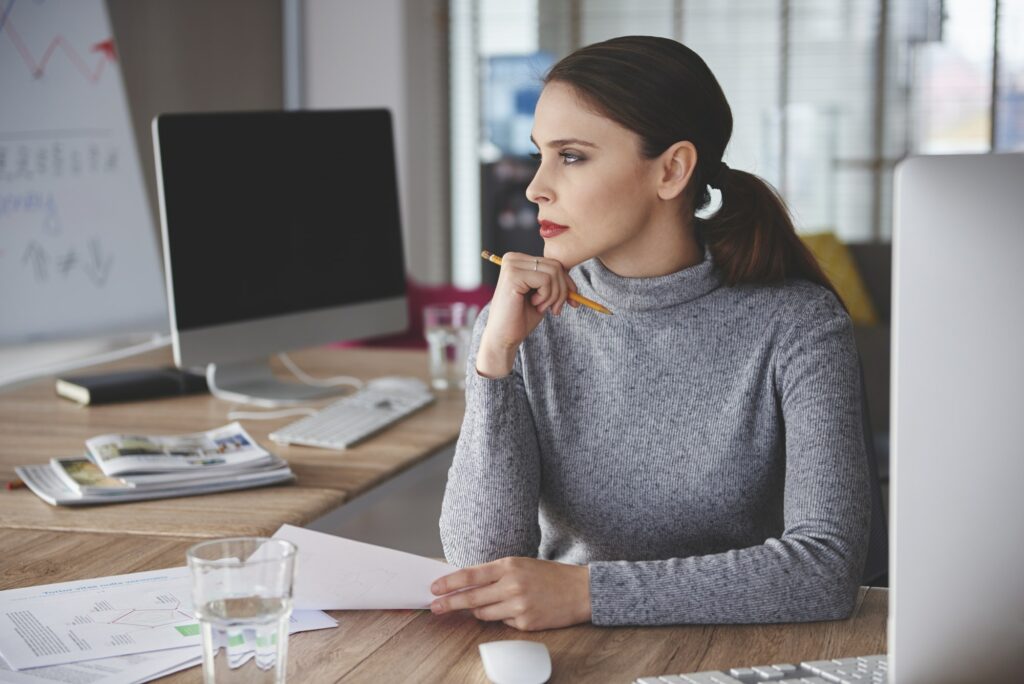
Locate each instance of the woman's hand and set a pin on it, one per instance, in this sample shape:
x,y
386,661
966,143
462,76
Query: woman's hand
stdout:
x,y
527,288
524,593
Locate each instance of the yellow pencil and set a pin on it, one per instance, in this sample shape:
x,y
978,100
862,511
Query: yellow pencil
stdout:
x,y
495,259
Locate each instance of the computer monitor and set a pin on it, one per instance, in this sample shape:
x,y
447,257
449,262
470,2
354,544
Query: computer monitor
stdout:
x,y
957,562
281,230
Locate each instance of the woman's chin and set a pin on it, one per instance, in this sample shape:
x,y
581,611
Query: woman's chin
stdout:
x,y
567,257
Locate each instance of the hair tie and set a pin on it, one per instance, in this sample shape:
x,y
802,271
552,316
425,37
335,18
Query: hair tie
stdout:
x,y
718,176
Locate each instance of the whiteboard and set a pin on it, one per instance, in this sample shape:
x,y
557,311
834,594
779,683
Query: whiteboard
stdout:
x,y
78,251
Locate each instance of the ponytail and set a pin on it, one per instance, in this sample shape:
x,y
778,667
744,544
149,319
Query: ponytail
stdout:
x,y
752,238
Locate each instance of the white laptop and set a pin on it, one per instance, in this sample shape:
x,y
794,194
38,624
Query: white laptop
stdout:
x,y
956,561
956,611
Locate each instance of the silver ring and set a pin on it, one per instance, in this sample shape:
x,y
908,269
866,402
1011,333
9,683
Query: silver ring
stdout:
x,y
535,262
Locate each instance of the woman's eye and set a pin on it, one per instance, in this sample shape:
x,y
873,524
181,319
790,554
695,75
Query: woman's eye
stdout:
x,y
568,158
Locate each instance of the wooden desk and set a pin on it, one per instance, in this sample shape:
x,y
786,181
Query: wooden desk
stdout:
x,y
417,646
36,425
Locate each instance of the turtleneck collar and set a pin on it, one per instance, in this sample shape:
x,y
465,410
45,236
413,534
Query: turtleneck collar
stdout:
x,y
645,294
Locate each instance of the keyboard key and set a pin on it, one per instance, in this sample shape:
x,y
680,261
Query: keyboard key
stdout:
x,y
767,672
820,665
711,677
741,672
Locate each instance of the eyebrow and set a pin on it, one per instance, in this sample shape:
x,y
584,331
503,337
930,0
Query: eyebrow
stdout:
x,y
566,141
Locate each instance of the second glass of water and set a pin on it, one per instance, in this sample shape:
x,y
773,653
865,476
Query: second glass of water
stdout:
x,y
448,329
242,593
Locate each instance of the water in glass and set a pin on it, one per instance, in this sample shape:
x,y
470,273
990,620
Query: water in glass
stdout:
x,y
245,639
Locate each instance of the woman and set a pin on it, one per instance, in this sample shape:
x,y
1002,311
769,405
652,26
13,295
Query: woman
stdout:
x,y
697,457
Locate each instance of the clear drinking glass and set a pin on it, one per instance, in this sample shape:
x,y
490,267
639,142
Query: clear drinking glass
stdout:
x,y
242,592
448,329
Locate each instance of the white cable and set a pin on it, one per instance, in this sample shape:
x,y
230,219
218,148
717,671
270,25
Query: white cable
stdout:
x,y
319,382
268,415
235,397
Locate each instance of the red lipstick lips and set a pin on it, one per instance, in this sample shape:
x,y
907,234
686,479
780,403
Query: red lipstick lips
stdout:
x,y
550,229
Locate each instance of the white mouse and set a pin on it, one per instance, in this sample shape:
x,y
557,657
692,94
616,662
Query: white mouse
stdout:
x,y
516,662
398,383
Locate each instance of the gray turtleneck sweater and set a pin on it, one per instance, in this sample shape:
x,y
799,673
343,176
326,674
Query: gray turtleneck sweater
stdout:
x,y
700,450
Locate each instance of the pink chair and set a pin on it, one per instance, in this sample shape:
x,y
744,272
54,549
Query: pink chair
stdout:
x,y
419,297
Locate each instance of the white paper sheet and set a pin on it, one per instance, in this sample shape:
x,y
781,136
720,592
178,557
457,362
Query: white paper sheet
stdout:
x,y
333,573
142,612
120,670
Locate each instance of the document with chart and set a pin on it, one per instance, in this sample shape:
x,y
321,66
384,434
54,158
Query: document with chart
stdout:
x,y
111,616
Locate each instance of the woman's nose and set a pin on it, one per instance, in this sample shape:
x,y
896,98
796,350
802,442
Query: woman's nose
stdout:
x,y
538,190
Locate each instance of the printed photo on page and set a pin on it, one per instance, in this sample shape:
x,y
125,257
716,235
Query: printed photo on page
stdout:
x,y
225,447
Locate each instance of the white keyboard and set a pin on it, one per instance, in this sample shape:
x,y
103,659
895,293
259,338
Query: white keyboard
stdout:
x,y
353,418
862,670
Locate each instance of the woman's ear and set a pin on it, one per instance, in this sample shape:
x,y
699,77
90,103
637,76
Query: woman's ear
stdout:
x,y
676,165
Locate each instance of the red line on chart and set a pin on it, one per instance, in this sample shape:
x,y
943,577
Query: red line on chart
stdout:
x,y
38,69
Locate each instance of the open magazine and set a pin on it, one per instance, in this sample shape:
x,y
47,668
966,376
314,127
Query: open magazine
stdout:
x,y
223,448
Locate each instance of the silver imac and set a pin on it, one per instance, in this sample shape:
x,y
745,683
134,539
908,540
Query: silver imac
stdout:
x,y
957,566
281,230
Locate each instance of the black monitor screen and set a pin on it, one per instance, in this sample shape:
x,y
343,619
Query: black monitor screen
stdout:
x,y
272,213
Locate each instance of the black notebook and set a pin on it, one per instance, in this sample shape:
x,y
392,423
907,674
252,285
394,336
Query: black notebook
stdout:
x,y
133,385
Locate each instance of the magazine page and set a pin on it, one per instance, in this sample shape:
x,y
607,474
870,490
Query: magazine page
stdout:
x,y
144,480
222,448
82,475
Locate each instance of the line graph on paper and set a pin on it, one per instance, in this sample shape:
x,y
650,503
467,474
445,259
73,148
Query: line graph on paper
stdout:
x,y
134,617
58,43
77,239
123,619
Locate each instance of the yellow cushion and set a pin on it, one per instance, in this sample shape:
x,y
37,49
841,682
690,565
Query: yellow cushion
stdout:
x,y
837,262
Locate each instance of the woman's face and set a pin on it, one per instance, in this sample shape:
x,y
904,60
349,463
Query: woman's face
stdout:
x,y
592,181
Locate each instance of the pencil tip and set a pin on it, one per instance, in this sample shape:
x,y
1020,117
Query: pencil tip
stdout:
x,y
485,254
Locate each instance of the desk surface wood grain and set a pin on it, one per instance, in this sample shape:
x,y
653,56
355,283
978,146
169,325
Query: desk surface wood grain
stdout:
x,y
36,425
412,645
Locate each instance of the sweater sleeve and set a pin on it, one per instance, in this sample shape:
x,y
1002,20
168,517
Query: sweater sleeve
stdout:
x,y
813,570
490,507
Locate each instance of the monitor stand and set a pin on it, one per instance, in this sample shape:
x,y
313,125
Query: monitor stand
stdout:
x,y
253,382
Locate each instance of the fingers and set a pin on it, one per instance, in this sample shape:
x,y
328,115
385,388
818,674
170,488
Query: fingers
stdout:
x,y
492,591
572,288
470,598
525,593
505,611
467,577
546,277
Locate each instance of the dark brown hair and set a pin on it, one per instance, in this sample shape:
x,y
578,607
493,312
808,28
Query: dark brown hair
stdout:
x,y
665,93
